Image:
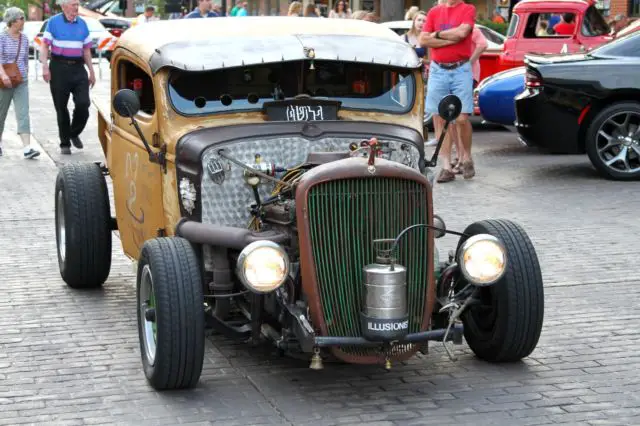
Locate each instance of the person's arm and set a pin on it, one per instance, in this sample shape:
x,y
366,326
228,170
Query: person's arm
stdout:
x,y
427,38
3,75
481,45
47,40
88,60
463,30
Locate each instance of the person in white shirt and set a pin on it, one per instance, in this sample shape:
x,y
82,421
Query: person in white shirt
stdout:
x,y
147,16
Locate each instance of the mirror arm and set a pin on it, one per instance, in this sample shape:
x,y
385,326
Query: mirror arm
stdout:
x,y
154,157
434,158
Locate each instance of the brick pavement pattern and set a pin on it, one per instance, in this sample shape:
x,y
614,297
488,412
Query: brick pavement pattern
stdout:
x,y
72,357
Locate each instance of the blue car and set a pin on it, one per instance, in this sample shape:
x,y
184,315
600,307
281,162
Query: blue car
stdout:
x,y
495,96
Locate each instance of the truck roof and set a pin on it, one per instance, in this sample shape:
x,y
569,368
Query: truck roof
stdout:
x,y
531,5
214,43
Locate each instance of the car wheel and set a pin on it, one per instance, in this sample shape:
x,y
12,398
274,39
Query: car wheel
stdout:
x,y
83,225
170,313
506,325
613,141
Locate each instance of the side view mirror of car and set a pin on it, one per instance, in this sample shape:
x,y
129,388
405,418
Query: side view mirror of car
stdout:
x,y
449,109
126,103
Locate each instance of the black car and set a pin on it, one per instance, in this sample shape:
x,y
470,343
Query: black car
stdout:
x,y
586,102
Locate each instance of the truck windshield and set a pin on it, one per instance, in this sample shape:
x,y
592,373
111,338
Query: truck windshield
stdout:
x,y
367,87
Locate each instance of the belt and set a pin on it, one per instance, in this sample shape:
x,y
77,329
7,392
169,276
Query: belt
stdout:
x,y
67,61
451,65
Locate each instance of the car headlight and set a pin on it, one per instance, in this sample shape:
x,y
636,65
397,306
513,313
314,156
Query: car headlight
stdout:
x,y
263,266
482,259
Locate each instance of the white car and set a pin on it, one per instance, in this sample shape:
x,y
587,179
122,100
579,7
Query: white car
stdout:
x,y
495,40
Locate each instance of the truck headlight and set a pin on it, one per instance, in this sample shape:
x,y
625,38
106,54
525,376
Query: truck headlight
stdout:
x,y
263,266
482,259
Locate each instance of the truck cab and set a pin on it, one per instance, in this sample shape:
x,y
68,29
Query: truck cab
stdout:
x,y
534,29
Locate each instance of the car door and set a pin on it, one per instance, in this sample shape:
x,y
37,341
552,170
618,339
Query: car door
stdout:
x,y
538,35
137,181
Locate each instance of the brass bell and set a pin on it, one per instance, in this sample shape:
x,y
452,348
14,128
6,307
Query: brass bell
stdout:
x,y
316,360
387,364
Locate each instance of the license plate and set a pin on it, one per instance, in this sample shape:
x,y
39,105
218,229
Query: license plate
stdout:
x,y
301,110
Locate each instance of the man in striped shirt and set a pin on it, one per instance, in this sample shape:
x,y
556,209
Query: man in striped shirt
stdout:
x,y
68,37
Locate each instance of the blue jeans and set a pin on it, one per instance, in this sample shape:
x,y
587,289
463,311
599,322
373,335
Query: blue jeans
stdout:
x,y
20,97
443,82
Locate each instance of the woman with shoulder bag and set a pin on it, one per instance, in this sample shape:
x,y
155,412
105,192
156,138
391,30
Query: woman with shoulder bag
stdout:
x,y
14,66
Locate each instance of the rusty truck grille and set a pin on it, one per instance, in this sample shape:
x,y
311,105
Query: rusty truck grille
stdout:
x,y
345,216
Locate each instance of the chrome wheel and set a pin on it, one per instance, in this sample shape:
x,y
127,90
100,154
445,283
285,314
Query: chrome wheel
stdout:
x,y
618,142
62,234
147,320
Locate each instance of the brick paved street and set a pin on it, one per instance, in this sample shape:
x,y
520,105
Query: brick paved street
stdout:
x,y
72,357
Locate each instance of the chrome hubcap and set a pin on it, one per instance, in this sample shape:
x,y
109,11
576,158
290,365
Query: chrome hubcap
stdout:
x,y
62,233
147,314
618,142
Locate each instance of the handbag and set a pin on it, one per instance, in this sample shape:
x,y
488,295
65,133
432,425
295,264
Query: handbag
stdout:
x,y
12,70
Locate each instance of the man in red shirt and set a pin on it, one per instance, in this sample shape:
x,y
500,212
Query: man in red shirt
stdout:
x,y
447,33
567,26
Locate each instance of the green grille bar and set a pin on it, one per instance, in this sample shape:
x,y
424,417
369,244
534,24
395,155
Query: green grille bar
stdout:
x,y
345,216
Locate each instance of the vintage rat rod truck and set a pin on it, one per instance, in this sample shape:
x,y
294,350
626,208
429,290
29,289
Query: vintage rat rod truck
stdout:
x,y
270,181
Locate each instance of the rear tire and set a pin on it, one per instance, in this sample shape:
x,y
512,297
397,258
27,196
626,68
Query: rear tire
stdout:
x,y
172,343
83,225
507,326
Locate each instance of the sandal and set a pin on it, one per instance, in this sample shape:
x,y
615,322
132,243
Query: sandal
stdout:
x,y
469,170
446,176
458,168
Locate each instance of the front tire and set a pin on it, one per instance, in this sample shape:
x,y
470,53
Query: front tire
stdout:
x,y
83,225
613,141
506,326
170,313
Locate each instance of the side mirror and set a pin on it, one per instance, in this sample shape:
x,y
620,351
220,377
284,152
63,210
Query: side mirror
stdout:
x,y
449,109
126,103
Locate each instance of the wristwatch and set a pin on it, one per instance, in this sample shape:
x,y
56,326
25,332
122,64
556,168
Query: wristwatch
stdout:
x,y
438,35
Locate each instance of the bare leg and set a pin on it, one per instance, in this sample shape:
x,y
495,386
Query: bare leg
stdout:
x,y
466,132
446,174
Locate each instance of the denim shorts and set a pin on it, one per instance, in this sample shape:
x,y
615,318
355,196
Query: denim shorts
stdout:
x,y
443,82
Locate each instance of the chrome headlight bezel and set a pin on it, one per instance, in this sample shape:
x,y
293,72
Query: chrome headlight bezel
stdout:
x,y
491,243
252,250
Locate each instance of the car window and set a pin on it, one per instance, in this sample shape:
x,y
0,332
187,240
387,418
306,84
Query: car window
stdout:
x,y
627,46
491,36
513,26
130,76
594,24
550,25
366,87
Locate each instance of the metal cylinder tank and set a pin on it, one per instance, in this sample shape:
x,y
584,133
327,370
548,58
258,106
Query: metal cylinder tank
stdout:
x,y
384,313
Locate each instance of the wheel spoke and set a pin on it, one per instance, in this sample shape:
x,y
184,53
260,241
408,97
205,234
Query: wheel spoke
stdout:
x,y
622,156
625,124
611,142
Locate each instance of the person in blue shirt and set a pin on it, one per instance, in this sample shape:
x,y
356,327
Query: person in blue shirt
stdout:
x,y
67,38
202,11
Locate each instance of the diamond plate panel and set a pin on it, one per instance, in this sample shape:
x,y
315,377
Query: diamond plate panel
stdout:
x,y
227,204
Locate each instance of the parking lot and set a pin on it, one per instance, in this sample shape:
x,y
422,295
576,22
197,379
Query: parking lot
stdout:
x,y
72,357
